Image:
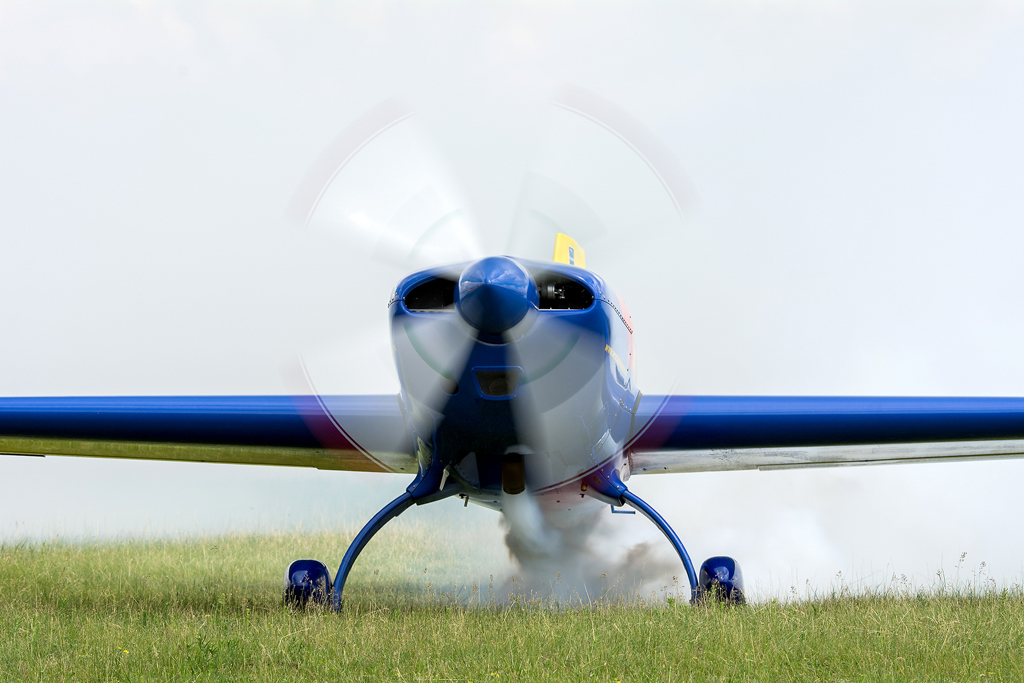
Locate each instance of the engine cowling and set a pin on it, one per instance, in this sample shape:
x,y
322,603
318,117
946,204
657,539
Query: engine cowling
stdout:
x,y
307,581
720,580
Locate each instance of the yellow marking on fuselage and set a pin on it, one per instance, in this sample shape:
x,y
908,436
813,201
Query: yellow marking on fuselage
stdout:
x,y
567,250
618,361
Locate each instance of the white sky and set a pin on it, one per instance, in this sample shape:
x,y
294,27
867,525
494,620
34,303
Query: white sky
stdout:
x,y
858,170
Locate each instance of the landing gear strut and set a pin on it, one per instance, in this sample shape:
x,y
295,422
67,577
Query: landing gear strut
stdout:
x,y
720,577
390,511
430,485
650,513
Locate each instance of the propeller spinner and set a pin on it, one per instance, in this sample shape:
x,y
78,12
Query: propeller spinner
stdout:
x,y
495,294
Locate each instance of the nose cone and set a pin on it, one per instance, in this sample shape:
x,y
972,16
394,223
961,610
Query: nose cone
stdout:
x,y
495,293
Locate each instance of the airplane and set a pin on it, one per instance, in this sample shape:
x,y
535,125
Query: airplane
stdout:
x,y
517,375
517,378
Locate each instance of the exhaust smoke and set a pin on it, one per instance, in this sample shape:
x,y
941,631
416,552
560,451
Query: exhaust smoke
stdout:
x,y
572,557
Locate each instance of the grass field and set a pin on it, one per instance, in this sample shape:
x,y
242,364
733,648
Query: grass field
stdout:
x,y
211,610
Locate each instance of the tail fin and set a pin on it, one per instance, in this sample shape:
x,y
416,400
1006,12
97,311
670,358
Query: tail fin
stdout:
x,y
568,251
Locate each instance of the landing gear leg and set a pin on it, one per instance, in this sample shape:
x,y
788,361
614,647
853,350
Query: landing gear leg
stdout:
x,y
390,511
608,487
424,489
650,513
720,577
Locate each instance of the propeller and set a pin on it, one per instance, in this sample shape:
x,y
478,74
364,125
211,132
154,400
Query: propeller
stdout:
x,y
603,177
380,191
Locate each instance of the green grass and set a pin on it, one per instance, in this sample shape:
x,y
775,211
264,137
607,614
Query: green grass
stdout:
x,y
211,609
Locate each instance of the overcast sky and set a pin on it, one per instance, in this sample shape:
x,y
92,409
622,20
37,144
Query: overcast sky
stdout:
x,y
854,225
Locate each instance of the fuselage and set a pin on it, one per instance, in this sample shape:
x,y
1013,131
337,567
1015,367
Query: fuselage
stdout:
x,y
530,385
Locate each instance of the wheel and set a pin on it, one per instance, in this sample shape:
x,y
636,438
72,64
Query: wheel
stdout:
x,y
720,580
307,581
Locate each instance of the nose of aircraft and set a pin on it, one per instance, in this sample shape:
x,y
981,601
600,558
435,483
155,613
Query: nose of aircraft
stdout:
x,y
495,293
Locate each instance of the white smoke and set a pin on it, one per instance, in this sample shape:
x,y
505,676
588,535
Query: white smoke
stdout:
x,y
575,557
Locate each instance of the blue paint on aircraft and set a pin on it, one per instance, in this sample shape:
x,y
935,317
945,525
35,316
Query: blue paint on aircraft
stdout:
x,y
663,422
283,421
495,293
704,422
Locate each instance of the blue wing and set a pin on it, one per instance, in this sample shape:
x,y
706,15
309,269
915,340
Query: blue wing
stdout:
x,y
713,433
368,433
331,432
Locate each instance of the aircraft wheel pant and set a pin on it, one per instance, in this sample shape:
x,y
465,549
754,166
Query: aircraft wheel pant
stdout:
x,y
307,581
720,580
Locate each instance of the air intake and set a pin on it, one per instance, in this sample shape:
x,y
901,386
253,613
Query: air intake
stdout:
x,y
561,293
497,382
437,294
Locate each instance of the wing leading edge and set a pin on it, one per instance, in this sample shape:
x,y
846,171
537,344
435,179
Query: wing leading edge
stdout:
x,y
719,433
365,433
